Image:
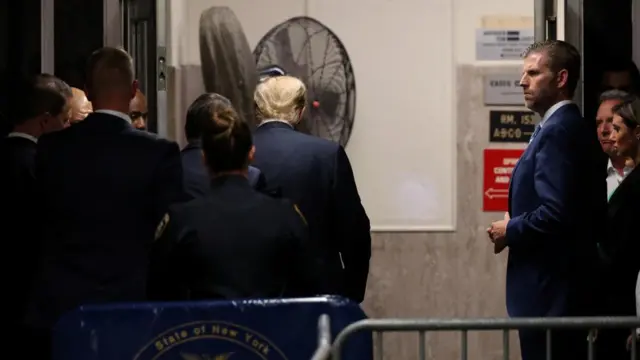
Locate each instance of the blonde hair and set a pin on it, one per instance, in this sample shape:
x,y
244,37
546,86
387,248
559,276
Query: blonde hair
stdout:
x,y
280,97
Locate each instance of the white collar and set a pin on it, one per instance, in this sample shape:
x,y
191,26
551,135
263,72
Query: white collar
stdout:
x,y
23,135
553,109
119,114
275,120
611,170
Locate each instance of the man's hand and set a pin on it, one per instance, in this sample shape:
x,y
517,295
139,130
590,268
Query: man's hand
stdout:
x,y
498,234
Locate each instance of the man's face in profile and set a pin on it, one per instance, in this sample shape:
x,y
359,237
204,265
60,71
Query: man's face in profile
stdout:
x,y
604,122
620,80
538,81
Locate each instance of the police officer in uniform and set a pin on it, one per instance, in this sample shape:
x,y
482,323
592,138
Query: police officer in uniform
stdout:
x,y
235,242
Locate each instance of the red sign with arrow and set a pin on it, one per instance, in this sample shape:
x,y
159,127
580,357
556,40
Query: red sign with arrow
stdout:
x,y
498,166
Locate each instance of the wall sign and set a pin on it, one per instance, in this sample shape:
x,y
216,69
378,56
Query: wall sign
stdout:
x,y
498,166
511,126
502,44
503,90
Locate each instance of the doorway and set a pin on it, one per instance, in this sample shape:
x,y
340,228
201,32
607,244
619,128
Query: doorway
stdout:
x,y
57,36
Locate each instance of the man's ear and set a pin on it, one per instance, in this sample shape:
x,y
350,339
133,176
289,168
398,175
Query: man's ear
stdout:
x,y
252,153
562,78
135,85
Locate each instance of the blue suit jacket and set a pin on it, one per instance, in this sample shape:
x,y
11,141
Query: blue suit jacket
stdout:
x,y
316,175
557,204
197,182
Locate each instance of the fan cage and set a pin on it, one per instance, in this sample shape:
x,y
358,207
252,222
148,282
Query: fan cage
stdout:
x,y
350,86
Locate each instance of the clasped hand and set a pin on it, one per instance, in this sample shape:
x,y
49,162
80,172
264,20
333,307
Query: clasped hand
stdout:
x,y
498,233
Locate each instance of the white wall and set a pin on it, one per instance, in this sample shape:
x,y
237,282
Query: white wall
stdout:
x,y
404,54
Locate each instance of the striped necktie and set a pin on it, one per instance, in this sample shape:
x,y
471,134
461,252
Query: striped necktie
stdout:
x,y
535,132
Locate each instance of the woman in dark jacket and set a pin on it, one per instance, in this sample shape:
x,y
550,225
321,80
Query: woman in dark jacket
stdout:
x,y
622,246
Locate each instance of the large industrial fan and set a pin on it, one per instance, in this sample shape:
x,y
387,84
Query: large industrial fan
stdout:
x,y
308,50
227,62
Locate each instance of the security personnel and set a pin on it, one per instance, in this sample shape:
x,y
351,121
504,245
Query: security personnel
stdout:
x,y
235,242
42,107
104,188
196,175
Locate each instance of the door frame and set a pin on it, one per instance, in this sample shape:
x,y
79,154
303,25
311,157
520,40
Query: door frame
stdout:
x,y
47,36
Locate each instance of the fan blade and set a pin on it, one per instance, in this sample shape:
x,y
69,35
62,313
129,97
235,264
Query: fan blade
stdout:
x,y
228,67
284,54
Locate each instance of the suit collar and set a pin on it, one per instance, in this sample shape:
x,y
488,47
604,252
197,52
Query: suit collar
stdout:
x,y
631,182
193,144
275,123
103,121
552,110
119,114
235,179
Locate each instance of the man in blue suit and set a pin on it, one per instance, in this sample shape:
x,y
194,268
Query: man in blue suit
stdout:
x,y
197,181
557,203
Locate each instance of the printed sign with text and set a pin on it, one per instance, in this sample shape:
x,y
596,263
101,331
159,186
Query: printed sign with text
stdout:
x,y
498,166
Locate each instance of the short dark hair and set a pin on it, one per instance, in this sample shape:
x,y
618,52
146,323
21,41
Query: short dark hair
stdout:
x,y
200,112
109,68
226,138
561,56
629,67
41,94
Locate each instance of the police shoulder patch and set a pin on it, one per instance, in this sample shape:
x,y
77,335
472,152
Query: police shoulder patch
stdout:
x,y
297,209
162,226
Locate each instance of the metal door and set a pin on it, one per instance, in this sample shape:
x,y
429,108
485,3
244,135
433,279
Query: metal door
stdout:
x,y
561,20
144,37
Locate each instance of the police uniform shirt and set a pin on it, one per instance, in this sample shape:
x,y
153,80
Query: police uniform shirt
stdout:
x,y
233,243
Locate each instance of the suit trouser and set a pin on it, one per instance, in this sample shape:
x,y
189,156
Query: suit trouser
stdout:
x,y
565,344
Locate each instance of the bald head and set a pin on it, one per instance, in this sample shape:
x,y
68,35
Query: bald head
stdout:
x,y
80,106
138,111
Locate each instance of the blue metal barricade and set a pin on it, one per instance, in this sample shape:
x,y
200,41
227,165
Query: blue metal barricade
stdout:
x,y
423,326
249,329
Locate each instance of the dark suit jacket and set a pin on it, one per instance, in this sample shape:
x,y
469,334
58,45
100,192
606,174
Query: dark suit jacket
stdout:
x,y
207,251
104,188
557,203
316,174
197,182
622,247
17,155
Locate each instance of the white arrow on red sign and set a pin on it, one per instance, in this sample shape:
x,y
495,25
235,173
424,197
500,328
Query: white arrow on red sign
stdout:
x,y
492,193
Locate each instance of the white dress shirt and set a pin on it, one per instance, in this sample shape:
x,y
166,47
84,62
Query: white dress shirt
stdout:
x,y
614,178
553,109
123,116
23,135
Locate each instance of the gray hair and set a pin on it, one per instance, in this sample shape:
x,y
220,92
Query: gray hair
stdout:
x,y
614,94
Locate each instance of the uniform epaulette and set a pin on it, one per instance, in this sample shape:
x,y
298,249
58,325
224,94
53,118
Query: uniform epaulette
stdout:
x,y
162,226
297,209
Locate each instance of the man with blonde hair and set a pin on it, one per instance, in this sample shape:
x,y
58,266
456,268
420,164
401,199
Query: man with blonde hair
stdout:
x,y
316,174
80,106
